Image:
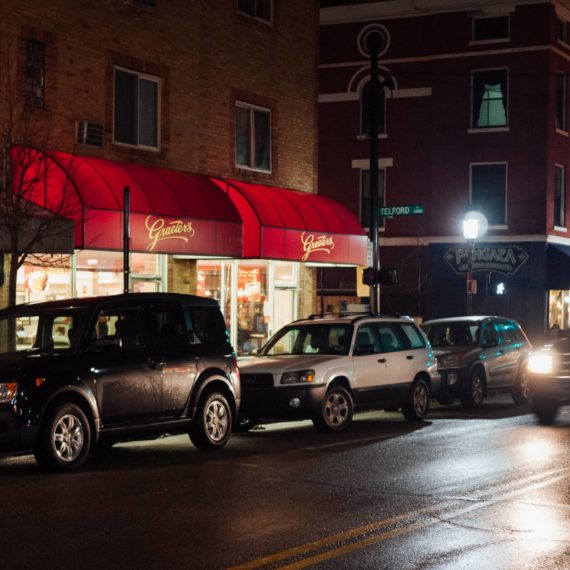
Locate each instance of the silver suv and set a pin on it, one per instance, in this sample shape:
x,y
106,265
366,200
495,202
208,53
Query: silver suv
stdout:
x,y
323,368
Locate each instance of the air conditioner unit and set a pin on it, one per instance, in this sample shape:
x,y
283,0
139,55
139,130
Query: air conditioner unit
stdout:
x,y
89,133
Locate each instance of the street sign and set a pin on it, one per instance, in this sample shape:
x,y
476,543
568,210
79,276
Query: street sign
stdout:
x,y
390,211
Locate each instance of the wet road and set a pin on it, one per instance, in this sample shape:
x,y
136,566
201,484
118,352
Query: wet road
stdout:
x,y
489,489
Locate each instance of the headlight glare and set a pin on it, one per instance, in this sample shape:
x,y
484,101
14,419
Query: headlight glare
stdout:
x,y
298,377
540,363
7,391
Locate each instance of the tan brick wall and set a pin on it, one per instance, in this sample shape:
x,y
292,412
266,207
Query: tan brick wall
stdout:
x,y
182,276
307,291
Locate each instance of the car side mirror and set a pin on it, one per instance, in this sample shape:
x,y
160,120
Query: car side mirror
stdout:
x,y
364,349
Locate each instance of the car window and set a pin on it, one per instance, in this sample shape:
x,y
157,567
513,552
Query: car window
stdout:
x,y
507,330
367,338
456,333
310,339
121,328
489,334
413,335
390,340
167,325
205,325
44,332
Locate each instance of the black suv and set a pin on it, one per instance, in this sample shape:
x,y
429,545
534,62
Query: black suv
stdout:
x,y
79,373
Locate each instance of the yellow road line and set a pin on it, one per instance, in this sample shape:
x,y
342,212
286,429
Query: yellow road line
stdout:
x,y
310,546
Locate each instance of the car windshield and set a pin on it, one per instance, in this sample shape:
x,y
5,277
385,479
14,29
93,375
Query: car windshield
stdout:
x,y
453,334
310,339
41,332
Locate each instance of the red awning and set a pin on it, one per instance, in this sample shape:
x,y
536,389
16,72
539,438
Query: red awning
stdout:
x,y
293,225
171,211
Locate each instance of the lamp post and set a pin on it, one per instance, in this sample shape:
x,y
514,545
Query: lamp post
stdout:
x,y
474,226
373,42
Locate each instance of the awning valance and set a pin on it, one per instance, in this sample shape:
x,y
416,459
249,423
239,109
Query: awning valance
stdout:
x,y
293,225
171,211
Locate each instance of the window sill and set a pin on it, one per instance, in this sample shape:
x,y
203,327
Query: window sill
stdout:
x,y
560,229
488,130
487,42
137,146
562,132
250,169
367,138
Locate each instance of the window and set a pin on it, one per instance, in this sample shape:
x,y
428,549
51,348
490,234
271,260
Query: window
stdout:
x,y
365,126
35,73
562,31
136,109
413,335
253,137
559,197
489,191
366,202
259,9
389,338
489,99
489,29
561,101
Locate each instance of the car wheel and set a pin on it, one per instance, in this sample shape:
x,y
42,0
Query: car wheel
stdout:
x,y
64,440
545,409
417,406
243,425
212,424
474,393
521,391
336,410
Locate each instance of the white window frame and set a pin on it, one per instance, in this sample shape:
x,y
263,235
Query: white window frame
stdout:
x,y
564,128
145,77
498,128
562,213
254,16
504,225
251,131
492,40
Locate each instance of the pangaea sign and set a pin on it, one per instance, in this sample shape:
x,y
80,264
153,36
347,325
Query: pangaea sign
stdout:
x,y
501,259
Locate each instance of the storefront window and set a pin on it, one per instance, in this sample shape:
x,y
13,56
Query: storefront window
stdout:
x,y
44,278
50,277
101,273
558,310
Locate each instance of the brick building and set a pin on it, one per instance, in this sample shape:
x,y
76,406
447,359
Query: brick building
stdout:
x,y
207,111
476,120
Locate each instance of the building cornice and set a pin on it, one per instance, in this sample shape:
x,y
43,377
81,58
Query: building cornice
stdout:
x,y
414,8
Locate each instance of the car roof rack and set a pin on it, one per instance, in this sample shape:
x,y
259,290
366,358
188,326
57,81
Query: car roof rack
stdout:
x,y
355,314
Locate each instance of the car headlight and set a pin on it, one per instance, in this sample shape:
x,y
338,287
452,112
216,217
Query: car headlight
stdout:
x,y
298,377
7,391
540,363
450,360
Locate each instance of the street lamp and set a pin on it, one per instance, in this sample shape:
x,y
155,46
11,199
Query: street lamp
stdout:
x,y
474,226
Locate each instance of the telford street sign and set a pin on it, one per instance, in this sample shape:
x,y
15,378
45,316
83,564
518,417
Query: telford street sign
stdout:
x,y
390,211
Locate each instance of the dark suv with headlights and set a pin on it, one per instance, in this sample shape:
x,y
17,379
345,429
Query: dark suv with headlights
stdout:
x,y
79,373
549,376
478,355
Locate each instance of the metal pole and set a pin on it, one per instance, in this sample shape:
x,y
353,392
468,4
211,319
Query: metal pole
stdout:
x,y
469,303
126,237
373,43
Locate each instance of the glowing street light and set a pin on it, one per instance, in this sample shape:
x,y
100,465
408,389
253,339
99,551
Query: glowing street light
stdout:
x,y
474,226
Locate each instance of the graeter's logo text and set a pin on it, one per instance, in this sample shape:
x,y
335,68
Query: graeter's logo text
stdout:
x,y
312,243
160,230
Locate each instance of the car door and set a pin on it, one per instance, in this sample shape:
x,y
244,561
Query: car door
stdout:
x,y
513,349
173,354
128,385
493,354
